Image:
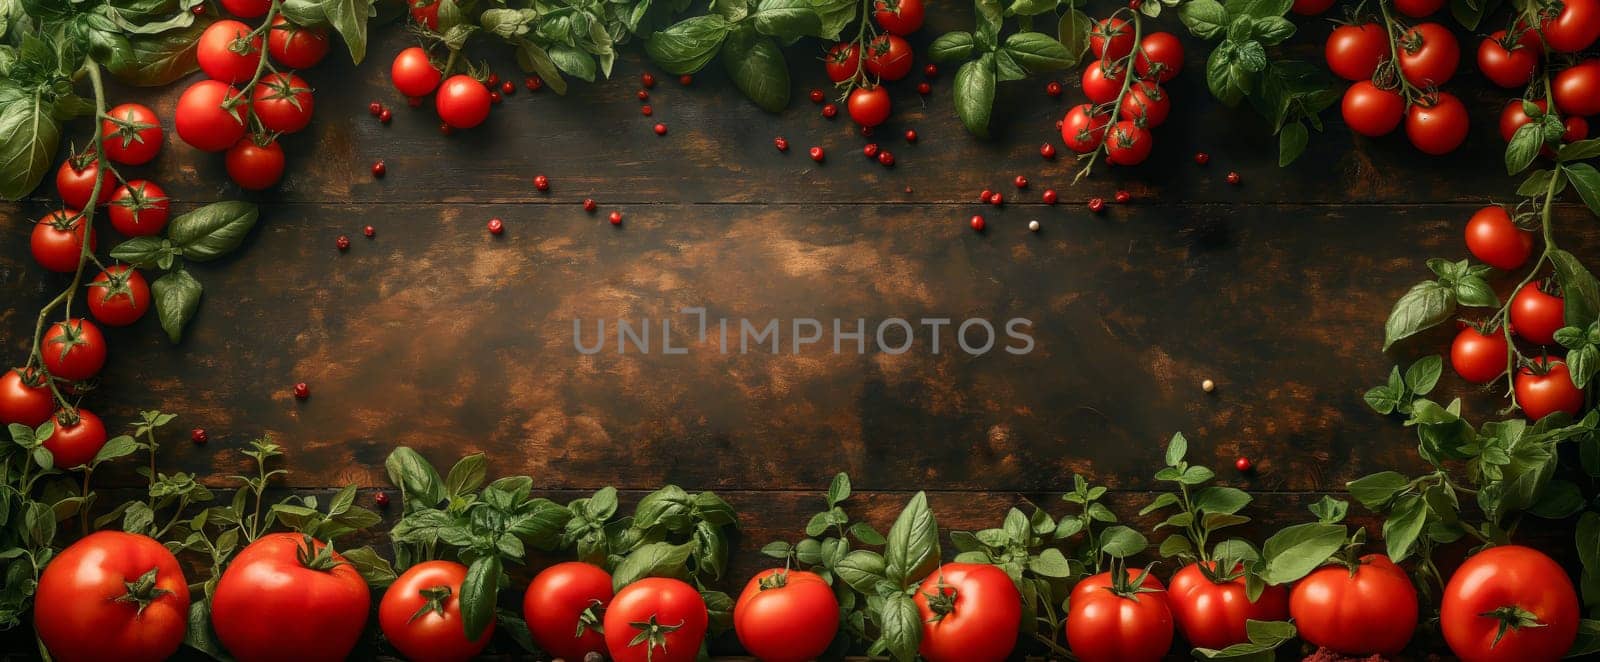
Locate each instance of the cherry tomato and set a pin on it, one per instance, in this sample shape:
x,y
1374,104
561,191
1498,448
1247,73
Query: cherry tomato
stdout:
x,y
1129,144
139,208
1418,8
1354,51
73,350
1211,608
112,596
1496,240
1110,39
1146,99
970,613
869,106
1545,388
247,8
57,240
1160,52
901,17
1102,81
1372,111
78,437
1509,66
421,614
294,46
25,398
75,181
656,620
1440,128
118,296
255,165
1575,28
1509,604
1577,89
1577,128
1429,54
1117,622
889,57
462,102
1536,316
786,616
132,134
413,74
1479,358
219,52
1512,117
282,102
563,608
1082,129
425,12
843,62
1372,610
203,121
1311,7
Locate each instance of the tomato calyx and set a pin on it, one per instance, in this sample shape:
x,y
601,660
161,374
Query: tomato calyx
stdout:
x,y
1511,617
778,579
80,161
142,591
116,285
129,131
71,336
652,633
282,88
1540,366
138,199
433,602
62,221
1213,573
591,620
1124,586
942,602
30,377
67,417
312,558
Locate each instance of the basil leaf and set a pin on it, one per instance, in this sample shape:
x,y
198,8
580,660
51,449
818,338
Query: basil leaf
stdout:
x,y
1205,19
1578,288
912,550
478,593
533,58
159,59
657,559
1404,524
212,231
1427,304
573,62
1122,542
1292,141
32,133
1470,13
862,570
1272,30
419,483
989,16
1037,52
177,296
1258,8
1297,550
974,94
467,475
757,68
786,19
1423,375
1586,180
951,46
686,47
349,17
144,252
1578,151
902,627
1073,32
1524,146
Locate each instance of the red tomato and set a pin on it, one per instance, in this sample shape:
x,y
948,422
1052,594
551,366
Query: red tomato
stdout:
x,y
255,166
425,12
1496,240
24,398
286,597
563,607
112,596
73,350
1536,316
1129,144
868,106
118,296
1429,54
1577,89
205,121
1372,611
1577,129
1082,129
1479,358
462,102
1102,81
294,46
1110,39
1160,52
666,617
1440,128
139,208
218,57
1118,623
1372,111
1418,8
970,613
1509,66
1147,100
1575,28
842,62
413,74
75,181
1310,7
131,134
1354,51
421,614
1509,604
282,102
247,8
786,616
57,240
1545,388
1212,614
901,17
78,437
1512,117
889,57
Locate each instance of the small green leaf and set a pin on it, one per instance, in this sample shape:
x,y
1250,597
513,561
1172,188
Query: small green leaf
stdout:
x,y
1423,375
214,230
1295,551
1176,449
1586,181
1578,287
1426,305
1122,542
686,46
478,593
1376,490
951,47
1524,146
912,547
974,94
1292,142
177,296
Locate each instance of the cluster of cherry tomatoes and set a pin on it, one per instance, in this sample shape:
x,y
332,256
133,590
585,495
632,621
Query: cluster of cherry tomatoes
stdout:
x,y
1509,58
1396,74
862,66
462,100
1123,85
214,115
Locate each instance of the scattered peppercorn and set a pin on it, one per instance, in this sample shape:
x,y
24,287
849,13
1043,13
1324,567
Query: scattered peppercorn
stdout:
x,y
199,436
342,243
1208,386
1049,196
302,391
997,199
976,223
924,89
817,96
931,71
686,79
866,131
541,182
1123,197
817,154
382,499
379,169
495,98
1048,151
533,83
830,110
1096,205
1033,226
647,79
508,88
1202,158
384,116
646,110
616,218
589,203
870,150
911,135
374,108
1233,178
886,158
1020,182
644,95
369,231
1243,464
781,144
496,226
985,195
493,79
1052,88
661,129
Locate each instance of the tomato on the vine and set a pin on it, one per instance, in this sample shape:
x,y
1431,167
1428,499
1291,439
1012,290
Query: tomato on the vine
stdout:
x,y
25,398
1115,620
1160,52
1371,610
295,46
1129,144
413,74
1537,315
247,8
1509,604
287,597
1544,387
1577,128
75,181
656,619
901,17
1429,54
57,240
73,349
786,616
255,164
1577,89
1509,64
1496,240
139,208
842,62
425,12
563,608
1146,99
1211,607
226,55
282,102
889,57
1513,116
1479,357
868,106
1082,129
970,613
1102,81
210,116
1372,111
78,437
421,614
1418,8
1110,39
1575,28
112,596
1354,51
118,296
1439,128
131,134
462,102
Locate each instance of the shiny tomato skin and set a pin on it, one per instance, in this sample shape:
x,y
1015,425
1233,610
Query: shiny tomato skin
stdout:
x,y
1372,111
139,142
425,12
1372,612
253,166
78,436
1577,89
73,349
1102,84
462,102
1479,358
57,240
76,185
1512,117
1082,129
1110,39
247,8
901,17
556,600
1509,576
1105,627
282,102
420,631
77,612
25,398
792,618
217,58
1543,395
1438,129
1146,99
1577,129
269,607
670,602
1509,68
294,46
1432,60
981,625
114,304
1575,28
1354,51
889,57
1129,144
1159,48
842,62
868,106
1496,240
1418,8
202,121
1212,615
1536,316
412,73
132,221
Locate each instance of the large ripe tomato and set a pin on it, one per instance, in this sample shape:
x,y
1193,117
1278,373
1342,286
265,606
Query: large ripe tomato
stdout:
x,y
1160,52
112,596
118,296
868,106
1577,89
1545,387
1211,608
786,616
1129,144
226,55
1114,621
842,62
1310,7
210,116
282,102
78,436
1575,28
889,57
75,181
25,398
462,102
1371,611
1439,128
1479,357
247,8
1537,315
1102,81
970,613
139,208
131,134
1429,54
901,17
421,614
1082,129
57,240
656,619
563,607
1146,99
1418,8
289,598
294,46
255,164
1509,604
413,73
73,349
1110,39
1496,240
1372,111
1354,51
1509,64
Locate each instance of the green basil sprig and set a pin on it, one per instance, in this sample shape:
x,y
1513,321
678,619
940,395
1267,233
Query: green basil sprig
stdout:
x,y
990,60
201,235
748,35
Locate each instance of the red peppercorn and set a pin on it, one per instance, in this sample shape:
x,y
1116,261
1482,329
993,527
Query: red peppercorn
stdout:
x,y
1047,151
817,154
1049,196
816,96
374,108
199,436
886,159
1134,4
381,498
644,95
1243,464
414,102
985,195
1202,158
369,231
589,204
997,199
342,243
379,169
646,110
495,98
1233,178
686,79
199,10
830,110
870,150
781,144
976,223
1096,205
616,218
931,70
445,129
493,80
924,89
866,132
541,182
911,135
661,129
302,391
1020,182
533,83
496,226
1052,88
384,116
647,80
1123,197
508,88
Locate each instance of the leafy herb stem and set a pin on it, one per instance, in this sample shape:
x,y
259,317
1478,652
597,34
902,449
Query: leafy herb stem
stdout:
x,y
1502,317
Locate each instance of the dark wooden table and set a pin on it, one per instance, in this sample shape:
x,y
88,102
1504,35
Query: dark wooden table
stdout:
x,y
439,336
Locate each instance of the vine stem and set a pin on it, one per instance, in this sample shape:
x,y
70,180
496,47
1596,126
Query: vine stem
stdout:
x,y
264,32
1502,317
1127,63
1389,28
